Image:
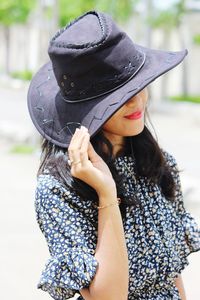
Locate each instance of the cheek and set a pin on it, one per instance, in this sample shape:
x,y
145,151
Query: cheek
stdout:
x,y
111,124
115,123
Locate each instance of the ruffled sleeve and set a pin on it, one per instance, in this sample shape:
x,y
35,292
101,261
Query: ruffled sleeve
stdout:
x,y
190,228
72,264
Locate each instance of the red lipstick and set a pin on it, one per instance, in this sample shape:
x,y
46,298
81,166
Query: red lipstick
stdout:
x,y
134,116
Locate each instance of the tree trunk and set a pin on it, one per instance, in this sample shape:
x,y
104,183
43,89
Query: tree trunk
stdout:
x,y
164,81
27,43
55,16
148,32
42,33
184,85
149,15
7,43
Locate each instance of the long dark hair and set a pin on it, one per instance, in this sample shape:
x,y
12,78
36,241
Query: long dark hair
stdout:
x,y
149,162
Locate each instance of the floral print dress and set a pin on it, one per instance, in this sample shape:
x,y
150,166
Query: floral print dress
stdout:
x,y
159,236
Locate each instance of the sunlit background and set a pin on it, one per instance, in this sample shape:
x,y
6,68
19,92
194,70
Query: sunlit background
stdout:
x,y
25,29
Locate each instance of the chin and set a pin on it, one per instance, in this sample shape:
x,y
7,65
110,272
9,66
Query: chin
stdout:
x,y
136,131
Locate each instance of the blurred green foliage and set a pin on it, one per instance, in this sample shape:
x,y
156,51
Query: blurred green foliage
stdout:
x,y
24,75
120,10
196,39
22,149
186,98
168,18
15,11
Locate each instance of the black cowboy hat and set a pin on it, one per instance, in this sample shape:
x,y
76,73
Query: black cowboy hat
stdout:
x,y
94,69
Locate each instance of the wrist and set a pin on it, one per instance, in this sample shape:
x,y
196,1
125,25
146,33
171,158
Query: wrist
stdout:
x,y
110,192
107,198
115,202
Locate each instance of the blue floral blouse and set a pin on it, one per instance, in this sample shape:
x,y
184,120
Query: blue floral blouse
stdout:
x,y
159,236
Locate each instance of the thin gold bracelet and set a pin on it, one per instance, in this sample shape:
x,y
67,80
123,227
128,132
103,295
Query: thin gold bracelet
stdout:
x,y
116,202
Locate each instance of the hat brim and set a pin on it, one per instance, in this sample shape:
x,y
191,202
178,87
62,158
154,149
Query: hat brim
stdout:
x,y
51,115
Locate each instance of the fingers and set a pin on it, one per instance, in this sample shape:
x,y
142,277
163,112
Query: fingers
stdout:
x,y
92,153
84,148
77,149
74,146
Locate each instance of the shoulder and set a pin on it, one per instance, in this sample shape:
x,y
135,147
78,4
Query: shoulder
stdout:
x,y
171,162
169,158
50,190
47,183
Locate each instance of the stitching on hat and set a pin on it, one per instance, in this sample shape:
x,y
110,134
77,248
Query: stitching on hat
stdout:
x,y
67,126
39,108
37,88
149,77
44,121
48,78
170,58
101,84
104,28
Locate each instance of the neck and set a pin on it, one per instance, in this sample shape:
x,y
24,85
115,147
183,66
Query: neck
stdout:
x,y
117,141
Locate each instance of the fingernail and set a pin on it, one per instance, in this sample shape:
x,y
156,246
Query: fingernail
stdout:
x,y
83,127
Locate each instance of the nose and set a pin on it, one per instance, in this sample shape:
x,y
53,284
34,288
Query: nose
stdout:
x,y
133,101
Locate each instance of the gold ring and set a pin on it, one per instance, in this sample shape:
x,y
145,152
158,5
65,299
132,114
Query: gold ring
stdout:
x,y
76,162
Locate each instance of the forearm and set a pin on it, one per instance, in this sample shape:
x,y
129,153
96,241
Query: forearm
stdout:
x,y
180,287
111,279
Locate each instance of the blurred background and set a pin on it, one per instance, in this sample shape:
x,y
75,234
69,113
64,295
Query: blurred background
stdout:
x,y
25,29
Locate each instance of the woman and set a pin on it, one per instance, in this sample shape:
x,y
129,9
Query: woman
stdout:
x,y
108,197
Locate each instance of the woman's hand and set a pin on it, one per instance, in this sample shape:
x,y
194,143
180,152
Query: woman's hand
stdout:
x,y
88,166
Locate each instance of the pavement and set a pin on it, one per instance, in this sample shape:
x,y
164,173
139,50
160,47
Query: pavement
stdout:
x,y
23,247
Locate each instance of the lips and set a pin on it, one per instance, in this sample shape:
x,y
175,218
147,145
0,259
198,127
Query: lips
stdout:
x,y
134,116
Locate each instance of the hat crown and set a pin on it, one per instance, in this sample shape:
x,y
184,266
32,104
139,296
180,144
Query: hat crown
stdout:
x,y
77,35
91,56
